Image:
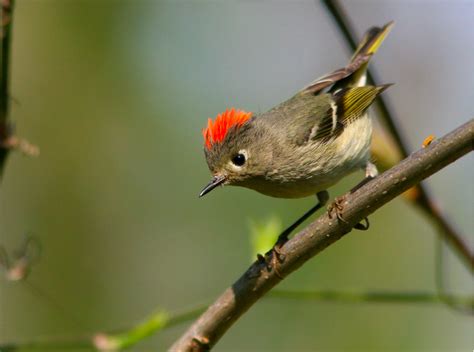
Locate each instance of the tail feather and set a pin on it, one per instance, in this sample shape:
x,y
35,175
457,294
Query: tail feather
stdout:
x,y
372,40
369,45
354,74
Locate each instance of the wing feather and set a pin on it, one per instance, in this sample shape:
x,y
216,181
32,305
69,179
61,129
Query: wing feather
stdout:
x,y
335,112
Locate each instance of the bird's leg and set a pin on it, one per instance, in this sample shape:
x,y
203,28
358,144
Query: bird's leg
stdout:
x,y
323,197
338,206
371,170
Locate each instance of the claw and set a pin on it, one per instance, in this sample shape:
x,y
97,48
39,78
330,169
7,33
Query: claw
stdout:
x,y
260,258
277,258
274,257
337,207
361,226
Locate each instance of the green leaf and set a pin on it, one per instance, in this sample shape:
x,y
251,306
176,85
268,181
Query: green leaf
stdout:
x,y
263,235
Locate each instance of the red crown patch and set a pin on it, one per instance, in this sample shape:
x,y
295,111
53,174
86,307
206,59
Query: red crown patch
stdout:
x,y
216,130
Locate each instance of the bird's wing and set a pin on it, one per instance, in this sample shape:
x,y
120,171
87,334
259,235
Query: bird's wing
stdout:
x,y
329,79
326,117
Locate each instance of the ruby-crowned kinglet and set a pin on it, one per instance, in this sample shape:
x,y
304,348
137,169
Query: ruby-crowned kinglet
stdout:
x,y
307,143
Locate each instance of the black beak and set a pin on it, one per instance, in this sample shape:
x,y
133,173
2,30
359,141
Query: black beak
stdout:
x,y
216,181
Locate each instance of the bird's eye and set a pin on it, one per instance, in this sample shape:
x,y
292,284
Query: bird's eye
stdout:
x,y
238,159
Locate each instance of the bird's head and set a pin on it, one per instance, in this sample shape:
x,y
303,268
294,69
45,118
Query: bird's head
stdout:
x,y
233,147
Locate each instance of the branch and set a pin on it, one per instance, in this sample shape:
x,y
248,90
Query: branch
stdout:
x,y
259,278
422,199
5,33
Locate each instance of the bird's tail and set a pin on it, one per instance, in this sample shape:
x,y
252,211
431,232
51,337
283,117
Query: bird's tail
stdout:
x,y
354,74
368,46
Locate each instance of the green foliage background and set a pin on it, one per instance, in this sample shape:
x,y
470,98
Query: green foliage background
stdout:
x,y
116,93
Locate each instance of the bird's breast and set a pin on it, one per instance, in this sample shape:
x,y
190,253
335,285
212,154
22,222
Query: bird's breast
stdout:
x,y
303,171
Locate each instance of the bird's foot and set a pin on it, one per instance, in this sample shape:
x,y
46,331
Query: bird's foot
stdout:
x,y
338,207
363,227
274,257
277,257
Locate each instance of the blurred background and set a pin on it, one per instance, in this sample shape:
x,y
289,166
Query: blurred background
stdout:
x,y
116,93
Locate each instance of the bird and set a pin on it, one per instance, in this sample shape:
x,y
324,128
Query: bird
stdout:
x,y
304,145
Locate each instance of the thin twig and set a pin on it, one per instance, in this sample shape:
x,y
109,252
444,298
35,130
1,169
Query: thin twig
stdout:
x,y
260,278
8,140
156,322
423,199
113,341
162,320
6,30
392,297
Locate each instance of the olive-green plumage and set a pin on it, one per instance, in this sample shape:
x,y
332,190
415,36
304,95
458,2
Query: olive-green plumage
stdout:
x,y
308,142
